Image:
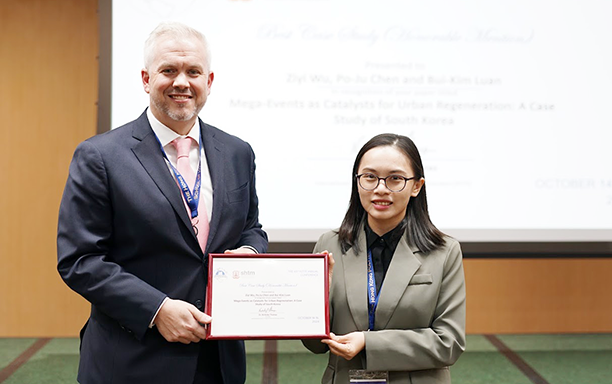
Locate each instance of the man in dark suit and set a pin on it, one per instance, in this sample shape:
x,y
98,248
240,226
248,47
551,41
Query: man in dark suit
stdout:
x,y
133,241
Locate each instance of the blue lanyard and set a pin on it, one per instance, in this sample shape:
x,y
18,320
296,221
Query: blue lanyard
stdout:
x,y
192,199
372,294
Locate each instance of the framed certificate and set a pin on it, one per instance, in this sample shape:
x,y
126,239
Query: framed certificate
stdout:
x,y
267,296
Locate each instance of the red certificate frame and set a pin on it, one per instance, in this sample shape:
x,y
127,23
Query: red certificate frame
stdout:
x,y
267,296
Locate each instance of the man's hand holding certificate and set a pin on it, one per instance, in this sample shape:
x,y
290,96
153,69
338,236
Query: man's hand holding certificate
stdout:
x,y
268,296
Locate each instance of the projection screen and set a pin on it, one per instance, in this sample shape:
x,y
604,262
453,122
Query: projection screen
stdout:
x,y
508,102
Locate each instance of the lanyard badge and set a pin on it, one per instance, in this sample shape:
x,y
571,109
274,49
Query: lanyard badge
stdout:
x,y
372,294
367,377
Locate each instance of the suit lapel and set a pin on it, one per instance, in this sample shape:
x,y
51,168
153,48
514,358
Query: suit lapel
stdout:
x,y
214,150
148,152
355,278
403,266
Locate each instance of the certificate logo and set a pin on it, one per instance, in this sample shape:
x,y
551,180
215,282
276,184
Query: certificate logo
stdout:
x,y
220,274
237,274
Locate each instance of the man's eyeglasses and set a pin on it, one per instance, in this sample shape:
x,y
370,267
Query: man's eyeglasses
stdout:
x,y
394,183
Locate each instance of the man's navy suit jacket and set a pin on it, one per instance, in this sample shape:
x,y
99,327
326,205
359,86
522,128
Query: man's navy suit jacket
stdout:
x,y
125,242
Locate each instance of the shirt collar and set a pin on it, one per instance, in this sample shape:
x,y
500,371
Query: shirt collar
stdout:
x,y
167,135
390,238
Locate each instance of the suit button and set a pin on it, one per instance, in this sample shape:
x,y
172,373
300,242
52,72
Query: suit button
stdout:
x,y
199,304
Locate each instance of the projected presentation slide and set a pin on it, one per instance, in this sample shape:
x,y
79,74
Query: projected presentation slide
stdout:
x,y
508,102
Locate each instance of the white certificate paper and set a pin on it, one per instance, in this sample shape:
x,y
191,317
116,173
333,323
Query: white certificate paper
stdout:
x,y
268,296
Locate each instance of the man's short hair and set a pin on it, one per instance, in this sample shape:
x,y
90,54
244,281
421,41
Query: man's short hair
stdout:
x,y
176,31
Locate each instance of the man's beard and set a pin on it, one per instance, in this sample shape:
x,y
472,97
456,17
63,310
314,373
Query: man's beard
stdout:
x,y
184,114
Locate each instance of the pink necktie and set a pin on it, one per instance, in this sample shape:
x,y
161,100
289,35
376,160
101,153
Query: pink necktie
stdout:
x,y
183,145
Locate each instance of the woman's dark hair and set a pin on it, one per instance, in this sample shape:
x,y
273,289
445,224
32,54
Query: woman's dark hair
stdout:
x,y
417,224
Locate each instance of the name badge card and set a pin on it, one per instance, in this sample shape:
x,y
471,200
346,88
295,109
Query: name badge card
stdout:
x,y
268,296
367,377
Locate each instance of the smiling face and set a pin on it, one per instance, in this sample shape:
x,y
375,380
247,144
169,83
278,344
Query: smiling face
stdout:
x,y
386,209
178,82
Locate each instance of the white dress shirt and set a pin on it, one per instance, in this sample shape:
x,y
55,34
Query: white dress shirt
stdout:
x,y
166,136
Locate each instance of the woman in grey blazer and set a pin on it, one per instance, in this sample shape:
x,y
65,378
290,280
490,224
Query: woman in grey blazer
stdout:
x,y
397,295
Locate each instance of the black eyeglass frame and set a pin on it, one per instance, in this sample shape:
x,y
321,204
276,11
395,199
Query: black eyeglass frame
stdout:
x,y
406,179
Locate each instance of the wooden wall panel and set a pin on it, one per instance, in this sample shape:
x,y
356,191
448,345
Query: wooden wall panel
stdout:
x,y
49,70
49,80
539,295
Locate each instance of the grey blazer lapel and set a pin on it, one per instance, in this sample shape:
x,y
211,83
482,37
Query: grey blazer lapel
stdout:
x,y
403,266
355,277
148,152
214,149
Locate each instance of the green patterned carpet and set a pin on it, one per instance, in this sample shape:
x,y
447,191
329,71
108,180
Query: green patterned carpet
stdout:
x,y
555,359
